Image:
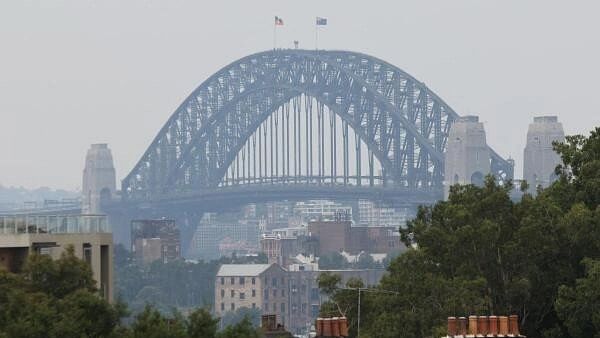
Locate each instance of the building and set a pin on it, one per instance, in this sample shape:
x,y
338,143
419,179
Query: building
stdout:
x,y
281,249
539,157
371,214
338,236
155,239
255,286
90,236
467,157
215,237
321,210
292,295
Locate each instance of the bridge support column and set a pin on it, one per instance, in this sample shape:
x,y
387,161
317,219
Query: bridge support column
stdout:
x,y
467,158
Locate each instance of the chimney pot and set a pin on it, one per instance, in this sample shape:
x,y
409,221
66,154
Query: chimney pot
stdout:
x,y
482,325
493,325
513,321
462,326
319,327
452,328
503,325
335,326
327,327
343,327
473,325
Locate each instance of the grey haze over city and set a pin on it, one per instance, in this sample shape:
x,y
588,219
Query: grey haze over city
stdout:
x,y
74,73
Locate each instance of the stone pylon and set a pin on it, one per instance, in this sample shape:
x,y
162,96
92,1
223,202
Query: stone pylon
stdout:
x,y
539,158
467,157
99,179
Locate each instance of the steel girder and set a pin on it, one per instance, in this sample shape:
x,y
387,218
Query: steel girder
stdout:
x,y
401,121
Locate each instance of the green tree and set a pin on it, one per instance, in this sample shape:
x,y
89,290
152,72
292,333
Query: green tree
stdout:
x,y
579,306
201,324
243,329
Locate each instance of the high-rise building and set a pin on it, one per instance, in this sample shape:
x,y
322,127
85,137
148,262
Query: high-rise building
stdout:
x,y
155,239
467,157
321,210
539,157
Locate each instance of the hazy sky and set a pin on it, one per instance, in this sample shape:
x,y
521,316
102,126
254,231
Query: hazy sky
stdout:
x,y
79,72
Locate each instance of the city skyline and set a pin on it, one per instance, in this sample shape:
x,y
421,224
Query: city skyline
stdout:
x,y
87,73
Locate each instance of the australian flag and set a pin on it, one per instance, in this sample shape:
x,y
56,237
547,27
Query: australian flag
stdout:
x,y
321,21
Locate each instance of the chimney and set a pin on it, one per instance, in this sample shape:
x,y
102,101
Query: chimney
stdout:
x,y
319,327
344,327
493,325
503,325
452,329
335,327
326,327
473,325
462,326
514,325
482,325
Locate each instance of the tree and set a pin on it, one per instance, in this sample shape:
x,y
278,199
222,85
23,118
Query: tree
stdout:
x,y
150,323
243,329
201,324
578,307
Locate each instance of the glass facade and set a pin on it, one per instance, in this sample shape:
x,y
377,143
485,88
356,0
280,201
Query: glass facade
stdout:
x,y
53,224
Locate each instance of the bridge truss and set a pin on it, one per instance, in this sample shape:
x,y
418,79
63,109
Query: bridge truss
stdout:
x,y
301,121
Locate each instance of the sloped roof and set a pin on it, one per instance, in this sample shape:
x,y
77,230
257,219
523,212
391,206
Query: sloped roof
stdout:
x,y
227,270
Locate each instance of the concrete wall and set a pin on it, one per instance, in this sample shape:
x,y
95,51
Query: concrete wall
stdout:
x,y
467,157
540,159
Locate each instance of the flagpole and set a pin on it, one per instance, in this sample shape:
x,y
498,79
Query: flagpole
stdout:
x,y
275,36
316,36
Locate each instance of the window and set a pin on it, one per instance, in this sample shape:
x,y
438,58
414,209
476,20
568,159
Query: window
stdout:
x,y
274,282
266,293
314,294
242,280
303,308
274,293
232,293
232,307
87,253
253,293
282,281
222,293
232,280
222,280
282,292
242,295
222,306
254,305
282,307
253,280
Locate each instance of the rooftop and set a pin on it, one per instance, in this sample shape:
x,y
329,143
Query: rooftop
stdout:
x,y
227,270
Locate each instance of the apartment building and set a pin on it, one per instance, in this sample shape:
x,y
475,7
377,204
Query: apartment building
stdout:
x,y
254,286
90,236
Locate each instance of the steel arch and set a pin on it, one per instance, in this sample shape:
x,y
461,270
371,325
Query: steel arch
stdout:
x,y
403,122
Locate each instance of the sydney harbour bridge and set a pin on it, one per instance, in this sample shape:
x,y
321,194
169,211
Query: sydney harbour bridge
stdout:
x,y
297,124
288,125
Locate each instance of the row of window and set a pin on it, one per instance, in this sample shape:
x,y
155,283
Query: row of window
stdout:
x,y
232,306
242,280
241,294
266,293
